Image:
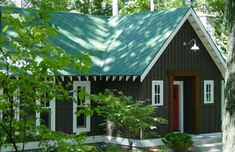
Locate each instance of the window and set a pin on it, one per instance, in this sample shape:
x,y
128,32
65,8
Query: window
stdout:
x,y
208,91
47,116
81,123
157,93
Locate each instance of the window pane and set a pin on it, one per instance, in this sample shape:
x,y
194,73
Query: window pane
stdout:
x,y
209,97
158,89
158,99
155,99
46,118
81,120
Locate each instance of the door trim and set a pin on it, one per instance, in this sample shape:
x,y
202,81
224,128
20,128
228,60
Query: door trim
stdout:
x,y
181,101
196,99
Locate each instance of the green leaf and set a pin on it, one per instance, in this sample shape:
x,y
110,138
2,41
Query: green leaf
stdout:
x,y
5,28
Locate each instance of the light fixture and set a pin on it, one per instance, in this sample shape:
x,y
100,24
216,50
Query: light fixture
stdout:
x,y
194,48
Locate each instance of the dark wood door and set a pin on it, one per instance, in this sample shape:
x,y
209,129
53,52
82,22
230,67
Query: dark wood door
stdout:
x,y
175,109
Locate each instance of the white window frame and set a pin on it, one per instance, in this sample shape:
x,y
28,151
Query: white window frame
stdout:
x,y
160,84
222,99
1,93
17,100
52,106
211,83
77,129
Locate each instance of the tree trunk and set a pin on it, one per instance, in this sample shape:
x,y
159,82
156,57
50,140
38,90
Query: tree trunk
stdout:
x,y
228,126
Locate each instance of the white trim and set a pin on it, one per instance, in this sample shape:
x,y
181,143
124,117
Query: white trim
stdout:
x,y
181,106
17,100
127,78
113,140
52,107
86,84
160,84
28,146
62,78
211,84
107,78
120,78
52,114
38,113
123,141
171,36
220,62
212,44
114,77
71,78
1,93
222,99
79,78
94,77
134,77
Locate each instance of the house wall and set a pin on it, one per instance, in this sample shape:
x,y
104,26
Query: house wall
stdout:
x,y
64,113
177,57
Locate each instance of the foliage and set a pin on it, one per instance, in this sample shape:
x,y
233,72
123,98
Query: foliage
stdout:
x,y
128,115
144,5
92,7
60,142
178,142
30,63
114,148
216,8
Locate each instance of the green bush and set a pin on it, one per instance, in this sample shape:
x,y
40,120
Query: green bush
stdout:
x,y
178,142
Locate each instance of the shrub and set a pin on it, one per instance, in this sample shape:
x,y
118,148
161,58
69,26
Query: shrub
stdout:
x,y
178,142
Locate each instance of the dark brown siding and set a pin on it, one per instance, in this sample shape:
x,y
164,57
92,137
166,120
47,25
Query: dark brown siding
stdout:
x,y
64,112
176,57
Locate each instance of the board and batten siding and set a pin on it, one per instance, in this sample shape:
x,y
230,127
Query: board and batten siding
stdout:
x,y
64,112
177,57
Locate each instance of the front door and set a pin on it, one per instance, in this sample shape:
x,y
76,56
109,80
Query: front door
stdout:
x,y
177,111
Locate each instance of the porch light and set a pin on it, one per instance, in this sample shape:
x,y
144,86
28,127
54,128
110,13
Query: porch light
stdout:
x,y
194,48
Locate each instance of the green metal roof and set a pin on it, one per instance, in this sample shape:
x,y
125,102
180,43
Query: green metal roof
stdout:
x,y
120,45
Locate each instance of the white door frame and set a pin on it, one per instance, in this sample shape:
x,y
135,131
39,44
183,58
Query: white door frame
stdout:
x,y
181,104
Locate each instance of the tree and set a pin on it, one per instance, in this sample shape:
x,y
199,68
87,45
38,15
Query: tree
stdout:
x,y
29,64
126,115
144,5
229,114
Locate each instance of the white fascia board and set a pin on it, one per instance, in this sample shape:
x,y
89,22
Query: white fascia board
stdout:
x,y
120,78
134,77
71,78
62,78
127,78
221,64
94,77
114,77
149,67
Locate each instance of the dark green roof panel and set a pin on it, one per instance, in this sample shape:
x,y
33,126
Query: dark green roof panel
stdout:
x,y
135,39
119,45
